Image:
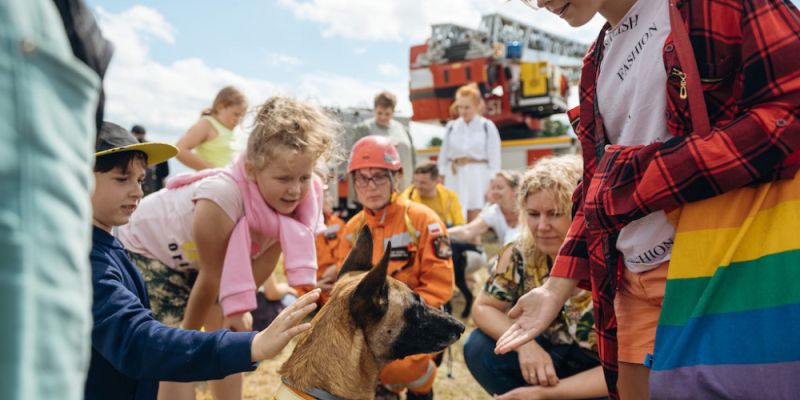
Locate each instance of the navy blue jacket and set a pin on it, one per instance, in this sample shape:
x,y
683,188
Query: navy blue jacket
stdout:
x,y
131,351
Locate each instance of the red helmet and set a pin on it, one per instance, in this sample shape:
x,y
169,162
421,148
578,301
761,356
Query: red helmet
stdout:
x,y
374,152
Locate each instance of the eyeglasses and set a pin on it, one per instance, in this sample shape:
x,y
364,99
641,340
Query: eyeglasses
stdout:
x,y
363,181
531,3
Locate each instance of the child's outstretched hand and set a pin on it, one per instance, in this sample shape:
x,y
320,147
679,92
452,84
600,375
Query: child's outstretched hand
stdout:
x,y
269,342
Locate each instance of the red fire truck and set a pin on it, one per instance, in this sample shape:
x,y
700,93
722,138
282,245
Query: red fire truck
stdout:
x,y
523,72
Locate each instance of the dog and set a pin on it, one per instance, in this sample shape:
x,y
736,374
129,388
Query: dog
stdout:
x,y
370,320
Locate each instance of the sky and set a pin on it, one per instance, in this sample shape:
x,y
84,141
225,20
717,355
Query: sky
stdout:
x,y
172,57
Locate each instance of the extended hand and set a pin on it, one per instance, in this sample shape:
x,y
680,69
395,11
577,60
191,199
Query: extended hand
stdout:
x,y
269,342
536,311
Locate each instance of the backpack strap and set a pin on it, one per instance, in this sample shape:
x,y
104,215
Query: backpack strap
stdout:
x,y
449,131
361,222
412,231
683,47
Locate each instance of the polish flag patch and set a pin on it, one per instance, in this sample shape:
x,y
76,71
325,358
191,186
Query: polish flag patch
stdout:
x,y
434,229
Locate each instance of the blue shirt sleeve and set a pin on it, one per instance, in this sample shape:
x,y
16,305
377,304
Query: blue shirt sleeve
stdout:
x,y
140,347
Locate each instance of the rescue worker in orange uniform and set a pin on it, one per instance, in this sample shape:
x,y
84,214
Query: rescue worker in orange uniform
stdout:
x,y
327,244
420,255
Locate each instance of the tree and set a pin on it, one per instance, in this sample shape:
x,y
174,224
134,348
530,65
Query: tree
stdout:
x,y
435,141
554,127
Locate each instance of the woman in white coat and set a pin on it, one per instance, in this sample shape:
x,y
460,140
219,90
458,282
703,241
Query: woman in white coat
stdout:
x,y
470,152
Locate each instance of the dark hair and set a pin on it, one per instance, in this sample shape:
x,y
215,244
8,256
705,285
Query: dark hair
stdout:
x,y
138,129
427,168
121,160
385,100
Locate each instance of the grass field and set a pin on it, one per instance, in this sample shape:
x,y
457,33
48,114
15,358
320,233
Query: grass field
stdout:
x,y
262,383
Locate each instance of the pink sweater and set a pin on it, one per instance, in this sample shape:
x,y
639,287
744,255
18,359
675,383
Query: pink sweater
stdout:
x,y
295,232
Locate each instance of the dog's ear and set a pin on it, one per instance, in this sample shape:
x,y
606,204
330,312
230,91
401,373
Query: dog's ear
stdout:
x,y
371,298
360,257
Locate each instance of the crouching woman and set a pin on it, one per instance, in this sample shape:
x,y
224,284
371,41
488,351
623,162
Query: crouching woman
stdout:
x,y
561,363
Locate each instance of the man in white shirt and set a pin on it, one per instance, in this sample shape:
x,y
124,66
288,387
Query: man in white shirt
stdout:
x,y
384,125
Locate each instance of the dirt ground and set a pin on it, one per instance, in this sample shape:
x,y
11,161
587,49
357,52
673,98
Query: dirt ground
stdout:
x,y
460,385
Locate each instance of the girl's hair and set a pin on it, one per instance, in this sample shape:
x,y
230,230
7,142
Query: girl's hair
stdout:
x,y
512,177
557,175
228,96
284,122
470,90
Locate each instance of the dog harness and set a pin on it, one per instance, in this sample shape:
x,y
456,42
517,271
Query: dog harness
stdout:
x,y
286,392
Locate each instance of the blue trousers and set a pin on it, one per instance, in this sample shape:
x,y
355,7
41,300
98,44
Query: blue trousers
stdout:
x,y
498,374
47,129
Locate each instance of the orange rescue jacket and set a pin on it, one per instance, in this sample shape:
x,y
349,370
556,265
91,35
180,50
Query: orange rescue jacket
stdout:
x,y
327,245
421,255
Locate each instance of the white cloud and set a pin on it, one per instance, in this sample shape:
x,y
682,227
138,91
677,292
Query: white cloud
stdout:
x,y
168,98
381,20
165,98
391,70
343,91
398,20
284,60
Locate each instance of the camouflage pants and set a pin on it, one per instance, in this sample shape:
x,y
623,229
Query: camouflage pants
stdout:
x,y
167,288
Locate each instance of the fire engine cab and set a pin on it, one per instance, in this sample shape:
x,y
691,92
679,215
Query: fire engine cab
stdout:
x,y
523,72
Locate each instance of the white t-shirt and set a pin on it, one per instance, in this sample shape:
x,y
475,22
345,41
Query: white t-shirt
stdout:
x,y
493,216
161,227
632,99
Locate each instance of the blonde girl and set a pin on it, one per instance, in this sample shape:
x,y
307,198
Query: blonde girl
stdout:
x,y
218,233
211,142
470,152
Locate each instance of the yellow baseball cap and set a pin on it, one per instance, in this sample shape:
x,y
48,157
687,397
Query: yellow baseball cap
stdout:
x,y
115,139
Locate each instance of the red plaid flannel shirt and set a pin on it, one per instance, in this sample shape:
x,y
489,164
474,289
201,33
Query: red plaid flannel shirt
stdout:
x,y
748,56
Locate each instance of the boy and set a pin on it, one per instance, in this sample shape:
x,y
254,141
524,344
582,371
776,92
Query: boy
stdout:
x,y
383,124
131,351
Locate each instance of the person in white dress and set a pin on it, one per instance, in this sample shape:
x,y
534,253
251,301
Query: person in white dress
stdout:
x,y
470,152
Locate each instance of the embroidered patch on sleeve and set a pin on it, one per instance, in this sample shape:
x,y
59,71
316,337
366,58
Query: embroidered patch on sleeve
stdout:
x,y
441,247
434,229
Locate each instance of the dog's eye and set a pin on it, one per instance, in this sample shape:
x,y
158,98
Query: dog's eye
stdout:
x,y
389,331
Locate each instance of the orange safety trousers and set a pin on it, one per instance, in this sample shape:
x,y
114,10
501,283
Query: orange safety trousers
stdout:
x,y
415,373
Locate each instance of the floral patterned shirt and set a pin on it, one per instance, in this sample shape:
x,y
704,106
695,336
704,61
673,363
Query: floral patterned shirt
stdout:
x,y
575,324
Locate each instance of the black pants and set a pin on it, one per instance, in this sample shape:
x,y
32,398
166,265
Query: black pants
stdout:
x,y
498,374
